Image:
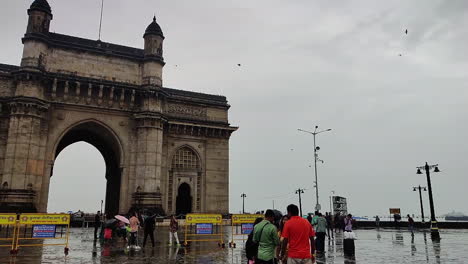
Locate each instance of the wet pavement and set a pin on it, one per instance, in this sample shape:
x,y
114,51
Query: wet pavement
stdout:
x,y
372,246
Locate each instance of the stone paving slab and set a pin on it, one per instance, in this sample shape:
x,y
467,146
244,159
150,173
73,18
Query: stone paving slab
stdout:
x,y
372,246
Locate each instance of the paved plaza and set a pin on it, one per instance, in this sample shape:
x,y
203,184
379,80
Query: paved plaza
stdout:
x,y
372,246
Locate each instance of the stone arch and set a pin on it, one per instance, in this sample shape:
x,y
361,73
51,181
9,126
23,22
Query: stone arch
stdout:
x,y
106,141
190,175
184,198
56,148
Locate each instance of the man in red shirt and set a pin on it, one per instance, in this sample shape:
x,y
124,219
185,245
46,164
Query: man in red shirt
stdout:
x,y
298,232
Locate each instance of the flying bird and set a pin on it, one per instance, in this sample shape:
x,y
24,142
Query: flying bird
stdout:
x,y
399,55
239,64
406,31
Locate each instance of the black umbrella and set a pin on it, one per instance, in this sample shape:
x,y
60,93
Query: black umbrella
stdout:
x,y
110,222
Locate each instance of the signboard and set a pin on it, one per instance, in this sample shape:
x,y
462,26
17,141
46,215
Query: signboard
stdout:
x,y
7,219
244,218
246,229
339,205
43,231
204,219
44,219
204,229
394,210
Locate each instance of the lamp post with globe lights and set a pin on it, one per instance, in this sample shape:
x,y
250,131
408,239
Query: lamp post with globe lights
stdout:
x,y
434,228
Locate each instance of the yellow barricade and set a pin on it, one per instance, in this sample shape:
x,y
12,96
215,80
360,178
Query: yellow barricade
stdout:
x,y
42,227
241,226
8,231
204,228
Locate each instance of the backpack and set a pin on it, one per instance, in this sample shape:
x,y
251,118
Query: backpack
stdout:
x,y
251,246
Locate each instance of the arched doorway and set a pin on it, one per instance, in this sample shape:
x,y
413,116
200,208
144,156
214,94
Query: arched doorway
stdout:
x,y
184,200
108,145
74,186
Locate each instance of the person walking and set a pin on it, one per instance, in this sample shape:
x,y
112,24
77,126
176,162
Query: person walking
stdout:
x,y
377,221
309,218
97,224
348,237
348,223
265,234
337,222
173,228
149,226
328,217
320,232
134,225
251,249
314,219
411,224
298,236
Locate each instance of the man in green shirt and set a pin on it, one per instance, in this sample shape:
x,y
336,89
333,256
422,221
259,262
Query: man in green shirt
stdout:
x,y
320,232
266,235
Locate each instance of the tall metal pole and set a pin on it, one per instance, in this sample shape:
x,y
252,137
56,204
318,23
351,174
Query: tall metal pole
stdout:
x,y
243,195
317,205
100,20
300,191
434,228
421,202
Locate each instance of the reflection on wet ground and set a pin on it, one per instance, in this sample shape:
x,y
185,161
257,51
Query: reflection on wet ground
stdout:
x,y
372,246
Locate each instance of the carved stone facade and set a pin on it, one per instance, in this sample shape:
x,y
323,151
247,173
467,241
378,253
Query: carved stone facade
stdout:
x,y
164,149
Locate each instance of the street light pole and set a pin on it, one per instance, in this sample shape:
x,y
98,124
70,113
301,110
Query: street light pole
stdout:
x,y
420,200
316,148
434,228
300,191
331,206
243,195
317,205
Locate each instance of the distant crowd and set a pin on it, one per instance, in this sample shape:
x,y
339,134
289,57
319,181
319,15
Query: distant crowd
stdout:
x,y
295,240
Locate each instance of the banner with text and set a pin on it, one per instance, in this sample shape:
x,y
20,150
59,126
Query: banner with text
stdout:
x,y
43,231
244,218
204,219
7,219
204,229
44,219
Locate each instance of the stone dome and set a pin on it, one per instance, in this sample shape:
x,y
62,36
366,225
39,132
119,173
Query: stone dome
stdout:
x,y
153,29
41,5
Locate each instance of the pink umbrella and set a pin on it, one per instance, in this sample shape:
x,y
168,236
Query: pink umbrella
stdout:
x,y
122,218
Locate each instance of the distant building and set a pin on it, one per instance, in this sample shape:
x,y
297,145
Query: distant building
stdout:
x,y
165,149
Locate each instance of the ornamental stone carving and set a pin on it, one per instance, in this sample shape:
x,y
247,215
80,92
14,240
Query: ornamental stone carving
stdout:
x,y
184,110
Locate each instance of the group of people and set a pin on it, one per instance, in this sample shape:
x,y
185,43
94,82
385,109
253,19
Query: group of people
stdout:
x,y
293,240
129,231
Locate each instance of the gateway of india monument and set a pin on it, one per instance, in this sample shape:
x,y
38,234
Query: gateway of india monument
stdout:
x,y
166,150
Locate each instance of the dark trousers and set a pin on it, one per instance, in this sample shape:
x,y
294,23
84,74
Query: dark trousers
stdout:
x,y
149,233
133,238
348,247
330,232
320,242
96,227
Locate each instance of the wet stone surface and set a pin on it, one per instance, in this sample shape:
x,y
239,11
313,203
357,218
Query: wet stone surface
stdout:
x,y
372,246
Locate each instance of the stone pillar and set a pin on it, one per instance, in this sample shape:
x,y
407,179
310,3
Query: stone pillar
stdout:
x,y
147,194
24,164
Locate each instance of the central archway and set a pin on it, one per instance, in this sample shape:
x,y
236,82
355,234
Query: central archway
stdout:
x,y
108,145
184,200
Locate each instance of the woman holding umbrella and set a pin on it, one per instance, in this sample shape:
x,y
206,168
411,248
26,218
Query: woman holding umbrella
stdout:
x,y
122,226
134,225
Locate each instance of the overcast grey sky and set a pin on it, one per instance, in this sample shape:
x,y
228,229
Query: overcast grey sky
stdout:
x,y
335,64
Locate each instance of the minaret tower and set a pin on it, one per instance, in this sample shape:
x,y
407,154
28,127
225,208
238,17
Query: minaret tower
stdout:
x,y
154,61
